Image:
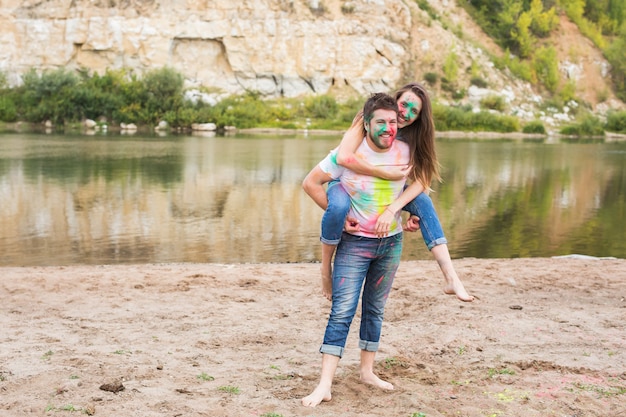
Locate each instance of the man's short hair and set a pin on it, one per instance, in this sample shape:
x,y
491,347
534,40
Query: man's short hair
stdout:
x,y
378,101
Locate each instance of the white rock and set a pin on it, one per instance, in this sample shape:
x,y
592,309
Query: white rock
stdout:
x,y
203,127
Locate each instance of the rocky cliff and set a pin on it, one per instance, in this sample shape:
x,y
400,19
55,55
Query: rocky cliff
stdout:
x,y
275,47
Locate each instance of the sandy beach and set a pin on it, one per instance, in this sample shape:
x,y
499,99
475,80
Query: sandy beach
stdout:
x,y
545,337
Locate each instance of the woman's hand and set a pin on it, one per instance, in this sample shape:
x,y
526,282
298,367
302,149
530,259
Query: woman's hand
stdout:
x,y
383,223
395,173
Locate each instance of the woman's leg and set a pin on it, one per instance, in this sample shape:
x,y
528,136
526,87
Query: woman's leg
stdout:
x,y
432,233
332,228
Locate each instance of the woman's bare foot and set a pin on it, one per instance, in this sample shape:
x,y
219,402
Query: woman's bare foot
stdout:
x,y
372,379
453,283
317,396
456,287
327,281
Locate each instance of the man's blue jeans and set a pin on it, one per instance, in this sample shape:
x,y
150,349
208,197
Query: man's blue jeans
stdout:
x,y
361,263
339,205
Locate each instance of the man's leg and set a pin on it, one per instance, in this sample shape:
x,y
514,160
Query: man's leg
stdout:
x,y
378,284
367,371
348,276
323,390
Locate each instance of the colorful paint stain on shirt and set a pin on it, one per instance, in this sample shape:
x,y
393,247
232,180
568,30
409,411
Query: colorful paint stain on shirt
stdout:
x,y
370,195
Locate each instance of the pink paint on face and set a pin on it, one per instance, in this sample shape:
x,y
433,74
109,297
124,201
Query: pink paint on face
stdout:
x,y
409,106
382,128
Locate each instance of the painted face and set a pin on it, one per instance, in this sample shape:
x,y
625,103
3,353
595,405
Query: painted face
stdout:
x,y
382,128
410,106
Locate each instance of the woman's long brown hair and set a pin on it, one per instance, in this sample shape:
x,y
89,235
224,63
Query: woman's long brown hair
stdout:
x,y
420,136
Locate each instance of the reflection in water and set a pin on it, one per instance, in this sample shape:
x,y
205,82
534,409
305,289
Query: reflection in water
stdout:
x,y
94,200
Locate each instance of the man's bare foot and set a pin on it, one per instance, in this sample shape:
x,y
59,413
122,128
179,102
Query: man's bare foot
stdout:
x,y
327,281
456,288
317,396
371,379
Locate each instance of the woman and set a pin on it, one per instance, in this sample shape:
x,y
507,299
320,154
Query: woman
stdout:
x,y
417,128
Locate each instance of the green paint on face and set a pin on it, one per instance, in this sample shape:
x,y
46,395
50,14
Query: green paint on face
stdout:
x,y
379,131
410,106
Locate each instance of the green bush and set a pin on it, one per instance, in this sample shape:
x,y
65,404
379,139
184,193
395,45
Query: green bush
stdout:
x,y
589,125
493,102
547,67
323,107
243,111
8,110
521,35
617,58
535,126
281,112
521,69
616,122
431,78
425,6
451,67
478,82
464,119
448,86
459,93
163,90
49,96
348,110
542,22
567,93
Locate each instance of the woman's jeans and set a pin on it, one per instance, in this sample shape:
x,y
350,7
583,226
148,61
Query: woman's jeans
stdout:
x,y
339,204
361,259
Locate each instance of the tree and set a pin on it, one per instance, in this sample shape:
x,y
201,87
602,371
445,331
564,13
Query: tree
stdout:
x,y
522,36
542,22
547,68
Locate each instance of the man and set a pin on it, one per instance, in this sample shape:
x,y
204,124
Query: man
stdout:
x,y
368,255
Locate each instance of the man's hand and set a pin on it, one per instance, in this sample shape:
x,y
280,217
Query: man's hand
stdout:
x,y
352,225
412,224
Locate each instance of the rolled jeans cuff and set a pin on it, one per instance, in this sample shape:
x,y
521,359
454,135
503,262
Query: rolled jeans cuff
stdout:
x,y
440,241
332,350
368,346
333,242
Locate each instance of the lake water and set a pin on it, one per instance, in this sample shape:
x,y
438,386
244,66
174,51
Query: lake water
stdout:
x,y
118,199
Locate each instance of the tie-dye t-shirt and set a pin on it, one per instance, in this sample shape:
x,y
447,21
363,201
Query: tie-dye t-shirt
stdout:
x,y
370,195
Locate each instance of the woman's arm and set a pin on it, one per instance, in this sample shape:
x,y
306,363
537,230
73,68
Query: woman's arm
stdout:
x,y
408,195
383,224
346,156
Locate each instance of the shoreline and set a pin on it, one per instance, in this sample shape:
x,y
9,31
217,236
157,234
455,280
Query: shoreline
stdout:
x,y
450,134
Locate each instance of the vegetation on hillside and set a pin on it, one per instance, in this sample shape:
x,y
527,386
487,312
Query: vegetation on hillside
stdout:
x,y
520,25
64,98
116,97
